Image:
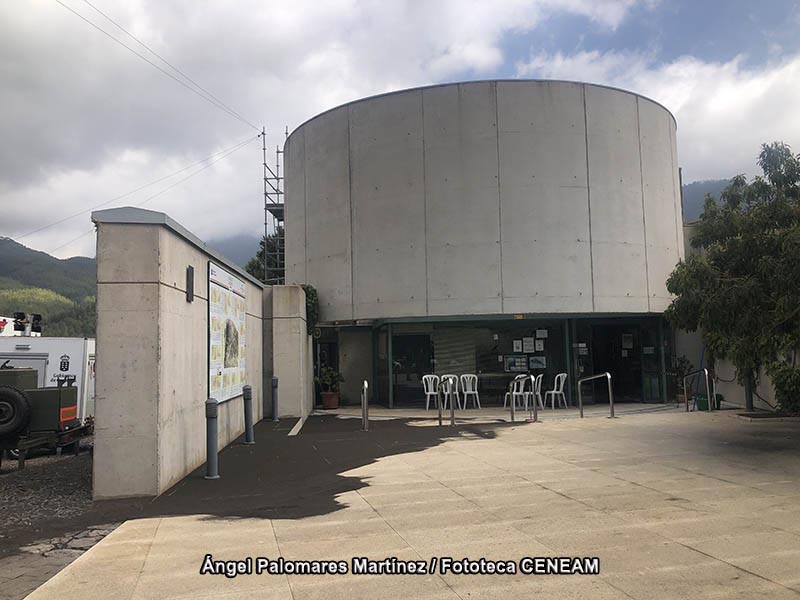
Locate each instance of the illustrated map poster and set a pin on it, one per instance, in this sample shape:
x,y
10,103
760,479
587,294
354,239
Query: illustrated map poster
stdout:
x,y
226,334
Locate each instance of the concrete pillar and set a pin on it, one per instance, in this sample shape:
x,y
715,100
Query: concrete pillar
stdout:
x,y
292,359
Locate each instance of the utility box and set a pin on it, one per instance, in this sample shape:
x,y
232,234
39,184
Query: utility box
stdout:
x,y
21,379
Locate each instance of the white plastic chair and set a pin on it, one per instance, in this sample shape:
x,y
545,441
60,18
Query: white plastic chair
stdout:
x,y
557,391
430,384
536,389
453,391
517,391
469,385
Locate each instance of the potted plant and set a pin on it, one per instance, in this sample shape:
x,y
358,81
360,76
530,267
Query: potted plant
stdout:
x,y
329,379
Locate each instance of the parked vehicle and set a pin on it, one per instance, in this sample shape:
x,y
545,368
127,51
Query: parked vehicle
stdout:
x,y
34,417
56,359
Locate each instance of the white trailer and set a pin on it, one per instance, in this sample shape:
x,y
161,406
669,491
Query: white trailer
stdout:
x,y
55,358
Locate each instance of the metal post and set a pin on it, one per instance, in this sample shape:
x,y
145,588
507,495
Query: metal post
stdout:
x,y
439,401
247,395
535,410
275,418
212,465
511,397
607,375
452,402
365,406
610,398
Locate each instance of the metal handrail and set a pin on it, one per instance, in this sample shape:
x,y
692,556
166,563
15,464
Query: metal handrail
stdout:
x,y
534,418
446,381
365,406
607,375
511,396
708,388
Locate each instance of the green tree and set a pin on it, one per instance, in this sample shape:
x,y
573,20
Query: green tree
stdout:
x,y
275,259
742,290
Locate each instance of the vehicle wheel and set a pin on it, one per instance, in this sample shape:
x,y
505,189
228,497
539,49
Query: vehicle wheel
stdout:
x,y
15,411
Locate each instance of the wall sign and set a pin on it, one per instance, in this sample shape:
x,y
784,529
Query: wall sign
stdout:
x,y
538,362
516,364
226,334
528,345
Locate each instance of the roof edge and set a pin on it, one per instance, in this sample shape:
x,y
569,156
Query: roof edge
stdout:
x,y
132,215
505,80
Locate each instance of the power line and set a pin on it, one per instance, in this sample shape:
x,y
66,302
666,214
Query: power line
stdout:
x,y
146,200
167,73
162,59
139,189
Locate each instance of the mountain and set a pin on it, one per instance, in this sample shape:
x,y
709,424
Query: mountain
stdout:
x,y
239,248
21,266
694,196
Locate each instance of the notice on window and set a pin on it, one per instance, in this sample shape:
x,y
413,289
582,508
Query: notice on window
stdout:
x,y
528,345
226,334
541,333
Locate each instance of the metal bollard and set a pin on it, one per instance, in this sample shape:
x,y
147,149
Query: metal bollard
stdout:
x,y
452,403
212,464
610,397
249,435
439,402
513,408
365,406
275,418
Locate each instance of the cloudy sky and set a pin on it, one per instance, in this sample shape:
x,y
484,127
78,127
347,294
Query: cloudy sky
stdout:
x,y
85,122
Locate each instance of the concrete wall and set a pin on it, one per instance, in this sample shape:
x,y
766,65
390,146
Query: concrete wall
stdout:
x,y
152,354
292,352
485,198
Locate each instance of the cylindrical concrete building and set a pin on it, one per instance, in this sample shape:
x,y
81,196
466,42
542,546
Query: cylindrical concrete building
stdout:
x,y
490,228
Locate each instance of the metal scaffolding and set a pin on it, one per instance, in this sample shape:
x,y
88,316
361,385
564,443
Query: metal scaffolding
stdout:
x,y
274,237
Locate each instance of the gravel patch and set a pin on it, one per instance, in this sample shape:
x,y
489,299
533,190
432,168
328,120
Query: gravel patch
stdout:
x,y
49,486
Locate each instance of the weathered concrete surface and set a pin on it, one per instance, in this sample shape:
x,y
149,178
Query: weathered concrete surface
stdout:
x,y
675,505
492,197
292,351
152,349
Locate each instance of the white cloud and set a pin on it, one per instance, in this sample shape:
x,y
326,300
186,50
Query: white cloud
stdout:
x,y
83,120
725,110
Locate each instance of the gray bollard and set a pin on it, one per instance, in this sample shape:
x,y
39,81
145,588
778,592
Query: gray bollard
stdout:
x,y
212,464
365,406
439,402
249,435
452,403
275,418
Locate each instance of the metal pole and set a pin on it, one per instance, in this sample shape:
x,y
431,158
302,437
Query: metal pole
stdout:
x,y
511,397
580,399
452,402
266,197
247,395
364,406
275,418
439,401
212,465
610,397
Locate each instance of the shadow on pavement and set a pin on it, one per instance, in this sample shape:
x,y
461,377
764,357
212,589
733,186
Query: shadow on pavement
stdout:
x,y
279,477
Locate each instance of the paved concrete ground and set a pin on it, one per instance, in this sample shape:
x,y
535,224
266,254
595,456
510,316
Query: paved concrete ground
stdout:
x,y
493,413
675,505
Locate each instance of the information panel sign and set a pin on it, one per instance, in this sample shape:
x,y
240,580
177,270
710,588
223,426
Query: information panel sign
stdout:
x,y
226,334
